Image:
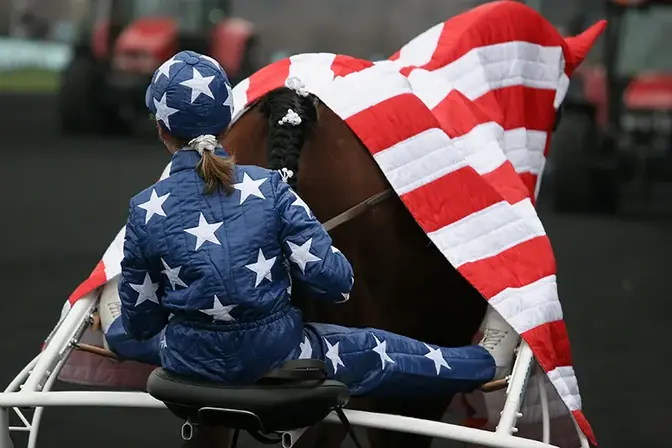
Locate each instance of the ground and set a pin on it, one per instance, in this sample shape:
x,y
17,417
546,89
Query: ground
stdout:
x,y
64,199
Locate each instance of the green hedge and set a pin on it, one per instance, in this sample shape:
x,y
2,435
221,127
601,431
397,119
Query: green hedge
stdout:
x,y
29,80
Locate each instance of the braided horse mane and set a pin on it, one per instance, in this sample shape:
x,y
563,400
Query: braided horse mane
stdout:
x,y
291,113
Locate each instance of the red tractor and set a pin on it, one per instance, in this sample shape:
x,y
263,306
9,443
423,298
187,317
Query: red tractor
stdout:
x,y
122,42
616,126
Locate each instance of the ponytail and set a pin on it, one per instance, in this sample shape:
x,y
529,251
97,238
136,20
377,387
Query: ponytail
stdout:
x,y
215,170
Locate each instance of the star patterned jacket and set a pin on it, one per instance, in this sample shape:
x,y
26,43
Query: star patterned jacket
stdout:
x,y
216,271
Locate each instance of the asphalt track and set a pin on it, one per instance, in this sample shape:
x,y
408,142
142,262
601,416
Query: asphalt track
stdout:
x,y
64,199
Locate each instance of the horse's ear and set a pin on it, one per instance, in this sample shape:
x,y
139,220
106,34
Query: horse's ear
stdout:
x,y
579,46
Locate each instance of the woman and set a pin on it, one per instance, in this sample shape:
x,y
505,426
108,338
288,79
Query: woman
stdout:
x,y
213,251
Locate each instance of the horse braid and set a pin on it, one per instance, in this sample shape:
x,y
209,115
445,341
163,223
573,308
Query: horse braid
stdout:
x,y
286,140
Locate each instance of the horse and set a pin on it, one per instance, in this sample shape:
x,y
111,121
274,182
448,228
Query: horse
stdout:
x,y
402,280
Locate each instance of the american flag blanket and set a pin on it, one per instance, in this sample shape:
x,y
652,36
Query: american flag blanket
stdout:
x,y
459,121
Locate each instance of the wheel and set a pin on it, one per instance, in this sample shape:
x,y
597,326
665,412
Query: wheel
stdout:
x,y
77,103
82,109
578,185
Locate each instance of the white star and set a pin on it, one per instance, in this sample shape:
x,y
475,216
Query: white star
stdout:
x,y
146,291
229,99
332,354
262,268
381,349
436,356
306,349
199,84
299,203
165,68
163,112
204,232
173,275
219,311
154,205
249,187
301,254
346,296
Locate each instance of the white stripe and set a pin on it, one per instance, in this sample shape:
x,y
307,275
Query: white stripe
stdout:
x,y
491,67
314,70
537,186
431,154
420,50
114,254
529,306
240,98
361,90
487,232
563,87
565,382
525,149
480,147
419,160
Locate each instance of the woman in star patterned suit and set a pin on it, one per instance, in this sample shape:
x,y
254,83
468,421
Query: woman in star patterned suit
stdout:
x,y
213,250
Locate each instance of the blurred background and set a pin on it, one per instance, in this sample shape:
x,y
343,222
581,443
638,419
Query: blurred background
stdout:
x,y
71,121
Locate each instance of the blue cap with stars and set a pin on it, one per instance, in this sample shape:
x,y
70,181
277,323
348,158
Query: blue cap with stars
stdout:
x,y
190,95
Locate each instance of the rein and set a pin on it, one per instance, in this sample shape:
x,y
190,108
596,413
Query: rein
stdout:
x,y
358,209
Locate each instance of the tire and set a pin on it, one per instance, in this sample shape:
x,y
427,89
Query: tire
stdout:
x,y
77,103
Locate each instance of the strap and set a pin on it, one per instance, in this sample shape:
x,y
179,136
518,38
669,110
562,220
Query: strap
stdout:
x,y
358,209
346,423
295,371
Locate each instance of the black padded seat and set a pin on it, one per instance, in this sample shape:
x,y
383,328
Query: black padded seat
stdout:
x,y
295,396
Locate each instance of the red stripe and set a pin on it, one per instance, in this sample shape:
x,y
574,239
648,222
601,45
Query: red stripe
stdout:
x,y
507,182
95,280
526,107
391,121
530,181
345,65
458,115
449,199
550,344
474,28
268,78
585,426
515,267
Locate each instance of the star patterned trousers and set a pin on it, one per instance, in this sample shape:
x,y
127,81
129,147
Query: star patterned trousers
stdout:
x,y
374,362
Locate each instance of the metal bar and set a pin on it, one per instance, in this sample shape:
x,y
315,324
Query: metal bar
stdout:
x,y
19,379
37,414
5,438
582,436
80,398
545,411
516,391
74,322
357,418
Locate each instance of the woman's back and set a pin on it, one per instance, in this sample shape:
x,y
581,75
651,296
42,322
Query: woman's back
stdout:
x,y
220,263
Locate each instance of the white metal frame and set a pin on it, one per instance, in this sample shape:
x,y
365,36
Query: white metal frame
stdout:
x,y
32,389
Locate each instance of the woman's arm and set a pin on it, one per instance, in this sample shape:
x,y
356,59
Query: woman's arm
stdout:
x,y
139,289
